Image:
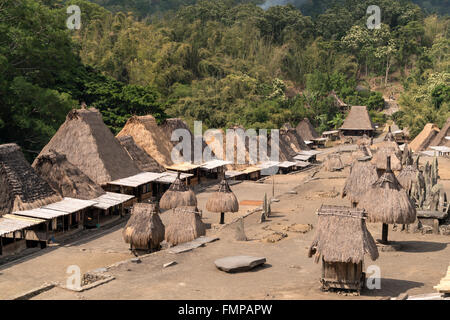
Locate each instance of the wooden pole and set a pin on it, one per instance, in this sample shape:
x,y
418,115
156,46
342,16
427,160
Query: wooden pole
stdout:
x,y
384,233
222,218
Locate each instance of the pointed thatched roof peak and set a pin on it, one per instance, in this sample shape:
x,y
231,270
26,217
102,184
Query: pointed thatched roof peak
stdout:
x,y
223,200
66,178
178,195
358,119
306,130
142,159
342,236
89,145
21,188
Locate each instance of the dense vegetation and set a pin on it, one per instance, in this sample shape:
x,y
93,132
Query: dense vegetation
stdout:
x,y
224,62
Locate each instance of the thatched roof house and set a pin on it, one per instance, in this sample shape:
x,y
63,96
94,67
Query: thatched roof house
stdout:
x,y
21,188
151,139
144,230
423,140
89,145
65,178
178,195
184,225
223,201
292,140
357,122
362,175
387,149
443,137
141,158
333,162
338,101
306,130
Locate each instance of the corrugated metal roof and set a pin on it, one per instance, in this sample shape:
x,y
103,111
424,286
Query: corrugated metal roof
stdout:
x,y
302,157
214,164
70,205
184,166
287,164
138,179
10,223
231,174
111,199
170,177
41,213
302,164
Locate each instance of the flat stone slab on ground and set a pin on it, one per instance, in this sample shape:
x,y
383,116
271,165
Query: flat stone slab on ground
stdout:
x,y
187,246
238,263
431,214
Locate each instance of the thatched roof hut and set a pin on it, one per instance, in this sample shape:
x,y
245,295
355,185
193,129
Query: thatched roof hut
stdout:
x,y
333,162
65,178
223,201
441,138
362,175
142,159
338,101
184,225
357,122
89,145
21,188
342,236
423,140
386,201
147,135
306,130
363,152
178,195
292,140
387,149
144,230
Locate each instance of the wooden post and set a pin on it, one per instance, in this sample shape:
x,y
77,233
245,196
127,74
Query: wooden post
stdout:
x,y
384,233
222,218
1,245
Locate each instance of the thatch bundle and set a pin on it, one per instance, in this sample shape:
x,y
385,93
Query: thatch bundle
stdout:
x,y
21,188
387,149
178,195
342,236
386,201
142,159
90,146
223,200
306,130
362,175
65,178
184,225
144,229
333,162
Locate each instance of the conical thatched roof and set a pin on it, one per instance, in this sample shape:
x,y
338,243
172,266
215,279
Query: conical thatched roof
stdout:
x,y
184,225
423,140
385,149
306,130
223,200
141,158
178,195
21,188
386,201
89,145
342,236
362,175
440,139
65,178
333,162
147,135
144,229
358,119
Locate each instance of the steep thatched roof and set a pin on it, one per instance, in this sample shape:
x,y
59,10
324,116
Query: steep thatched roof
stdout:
x,y
306,130
89,145
184,225
411,175
142,159
339,102
389,136
151,139
385,149
439,139
65,178
333,162
358,119
342,236
223,200
178,195
423,140
364,140
363,152
293,140
21,188
362,175
144,229
386,201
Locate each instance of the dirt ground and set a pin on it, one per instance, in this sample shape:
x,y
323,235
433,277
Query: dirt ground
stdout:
x,y
288,273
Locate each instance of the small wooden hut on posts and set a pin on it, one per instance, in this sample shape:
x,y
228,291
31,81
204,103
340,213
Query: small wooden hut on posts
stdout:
x,y
178,195
223,201
333,162
144,230
341,240
184,225
141,158
357,122
362,175
387,202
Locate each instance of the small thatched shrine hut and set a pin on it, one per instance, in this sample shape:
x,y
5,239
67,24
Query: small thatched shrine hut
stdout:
x,y
423,140
142,159
362,175
387,149
306,130
333,162
90,146
342,240
412,179
387,202
144,229
223,201
357,122
184,225
21,188
178,195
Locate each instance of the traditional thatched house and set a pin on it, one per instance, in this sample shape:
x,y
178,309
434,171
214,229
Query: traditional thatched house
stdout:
x,y
423,140
383,150
342,240
443,137
178,195
362,175
338,101
357,122
306,130
290,137
184,225
21,188
223,201
89,145
387,202
141,158
333,162
144,229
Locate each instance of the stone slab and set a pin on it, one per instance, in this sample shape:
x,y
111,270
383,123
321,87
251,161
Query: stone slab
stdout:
x,y
239,263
